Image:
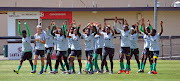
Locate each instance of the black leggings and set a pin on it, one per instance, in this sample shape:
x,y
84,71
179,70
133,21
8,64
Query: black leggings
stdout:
x,y
59,60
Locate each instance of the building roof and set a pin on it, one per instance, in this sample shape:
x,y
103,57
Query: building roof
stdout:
x,y
5,9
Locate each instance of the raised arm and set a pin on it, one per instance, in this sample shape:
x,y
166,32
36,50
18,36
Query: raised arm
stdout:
x,y
78,30
94,27
52,28
19,28
161,28
138,28
69,31
115,25
111,31
86,27
29,34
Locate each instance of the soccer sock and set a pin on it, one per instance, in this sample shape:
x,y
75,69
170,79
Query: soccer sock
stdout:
x,y
87,67
64,64
141,64
18,67
80,67
46,67
107,68
70,68
101,57
154,67
34,67
42,67
138,66
50,67
95,60
126,67
91,67
121,65
151,67
62,68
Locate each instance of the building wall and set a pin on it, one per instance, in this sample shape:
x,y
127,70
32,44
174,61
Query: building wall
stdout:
x,y
78,3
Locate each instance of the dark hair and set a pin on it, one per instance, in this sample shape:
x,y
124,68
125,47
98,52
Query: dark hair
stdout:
x,y
24,31
72,28
133,26
154,30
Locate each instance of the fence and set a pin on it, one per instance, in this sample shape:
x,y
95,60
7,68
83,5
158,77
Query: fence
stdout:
x,y
169,46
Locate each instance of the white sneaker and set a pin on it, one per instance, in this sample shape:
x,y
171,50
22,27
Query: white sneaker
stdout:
x,y
80,72
150,72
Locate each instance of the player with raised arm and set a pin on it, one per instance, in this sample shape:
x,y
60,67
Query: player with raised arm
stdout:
x,y
125,45
26,47
75,39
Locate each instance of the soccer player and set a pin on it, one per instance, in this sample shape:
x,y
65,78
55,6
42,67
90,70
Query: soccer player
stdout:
x,y
154,46
26,47
39,48
89,47
99,42
108,46
125,45
62,47
49,48
75,47
134,43
146,46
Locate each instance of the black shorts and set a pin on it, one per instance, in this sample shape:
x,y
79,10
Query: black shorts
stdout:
x,y
61,53
146,51
49,50
125,50
26,56
154,54
98,51
69,51
108,51
76,53
89,53
135,52
39,52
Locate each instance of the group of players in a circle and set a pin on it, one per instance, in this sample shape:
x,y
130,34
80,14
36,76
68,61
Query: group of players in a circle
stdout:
x,y
97,40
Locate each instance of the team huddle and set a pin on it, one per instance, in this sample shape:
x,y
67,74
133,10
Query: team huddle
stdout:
x,y
98,41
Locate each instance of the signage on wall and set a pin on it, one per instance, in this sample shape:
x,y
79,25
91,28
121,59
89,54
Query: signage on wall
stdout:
x,y
14,14
56,15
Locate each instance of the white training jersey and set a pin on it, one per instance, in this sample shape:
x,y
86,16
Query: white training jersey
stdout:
x,y
108,40
146,40
49,39
26,44
98,41
154,43
134,41
88,41
61,42
39,45
125,36
75,42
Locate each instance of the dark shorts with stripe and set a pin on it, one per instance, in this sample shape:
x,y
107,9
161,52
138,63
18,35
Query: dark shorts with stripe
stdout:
x,y
125,50
69,51
98,51
135,52
26,56
89,53
39,52
61,53
146,51
154,54
49,50
76,53
108,51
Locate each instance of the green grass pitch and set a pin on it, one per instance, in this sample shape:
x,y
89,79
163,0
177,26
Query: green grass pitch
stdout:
x,y
168,70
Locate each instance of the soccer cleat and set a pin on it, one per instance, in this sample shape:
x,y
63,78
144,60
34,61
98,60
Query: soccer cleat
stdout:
x,y
121,71
34,71
139,71
95,70
86,71
98,71
80,72
16,71
63,72
106,71
91,72
155,72
150,72
73,72
41,72
44,70
51,72
111,72
54,72
127,72
102,71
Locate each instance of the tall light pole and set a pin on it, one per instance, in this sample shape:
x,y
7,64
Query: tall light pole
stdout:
x,y
155,14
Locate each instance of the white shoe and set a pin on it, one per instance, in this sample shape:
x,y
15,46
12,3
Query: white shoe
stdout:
x,y
80,72
150,72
